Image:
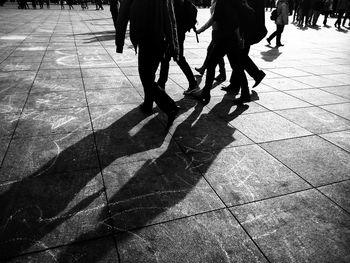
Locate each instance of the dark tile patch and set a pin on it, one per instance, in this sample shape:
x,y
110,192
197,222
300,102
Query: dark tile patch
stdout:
x,y
316,120
301,227
35,122
341,139
47,210
8,122
210,237
56,100
247,173
57,85
113,96
316,160
100,250
339,193
28,157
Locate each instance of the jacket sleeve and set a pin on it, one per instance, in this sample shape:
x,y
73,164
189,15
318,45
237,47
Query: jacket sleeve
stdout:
x,y
285,14
122,23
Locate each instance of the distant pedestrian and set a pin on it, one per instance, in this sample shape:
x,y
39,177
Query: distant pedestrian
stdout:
x,y
62,4
318,7
70,4
342,6
281,21
99,5
328,10
305,12
347,16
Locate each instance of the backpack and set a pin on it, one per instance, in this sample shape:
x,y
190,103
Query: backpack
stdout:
x,y
252,29
274,15
190,15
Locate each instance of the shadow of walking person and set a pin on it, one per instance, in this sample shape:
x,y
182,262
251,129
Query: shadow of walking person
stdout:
x,y
271,54
57,202
165,188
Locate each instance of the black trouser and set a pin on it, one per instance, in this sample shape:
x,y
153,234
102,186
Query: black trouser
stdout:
x,y
277,34
248,65
186,69
221,62
340,16
148,61
221,48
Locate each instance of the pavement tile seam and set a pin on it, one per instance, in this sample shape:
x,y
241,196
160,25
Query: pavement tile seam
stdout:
x,y
288,166
91,29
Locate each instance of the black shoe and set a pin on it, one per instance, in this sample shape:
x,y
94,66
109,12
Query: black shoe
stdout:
x,y
243,99
145,109
204,97
231,89
268,41
279,45
260,77
200,70
220,77
171,116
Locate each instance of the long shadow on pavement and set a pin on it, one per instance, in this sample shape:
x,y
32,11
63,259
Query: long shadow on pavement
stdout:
x,y
162,183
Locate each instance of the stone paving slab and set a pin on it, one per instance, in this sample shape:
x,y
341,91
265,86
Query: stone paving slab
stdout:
x,y
85,176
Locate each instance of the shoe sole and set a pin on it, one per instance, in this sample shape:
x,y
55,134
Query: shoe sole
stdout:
x,y
191,91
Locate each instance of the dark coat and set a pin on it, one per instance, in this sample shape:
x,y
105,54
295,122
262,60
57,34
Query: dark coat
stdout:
x,y
151,21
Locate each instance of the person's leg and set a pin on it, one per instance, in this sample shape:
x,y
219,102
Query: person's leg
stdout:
x,y
315,17
279,34
236,58
186,69
218,52
148,62
164,71
326,14
272,35
252,69
340,15
201,69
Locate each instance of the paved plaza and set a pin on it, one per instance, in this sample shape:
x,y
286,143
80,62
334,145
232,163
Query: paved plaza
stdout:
x,y
86,177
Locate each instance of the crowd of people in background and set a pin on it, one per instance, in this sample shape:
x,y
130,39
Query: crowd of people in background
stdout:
x,y
23,4
158,34
307,12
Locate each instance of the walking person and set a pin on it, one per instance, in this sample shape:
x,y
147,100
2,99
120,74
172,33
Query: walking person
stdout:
x,y
182,27
210,23
328,9
151,22
342,6
114,8
228,42
281,21
305,11
317,8
70,4
347,16
252,28
99,5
